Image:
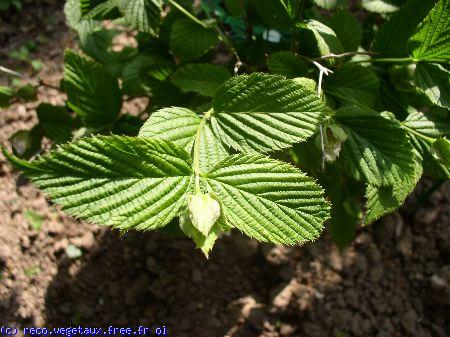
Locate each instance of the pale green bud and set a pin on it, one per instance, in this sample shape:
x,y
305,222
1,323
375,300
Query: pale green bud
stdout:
x,y
204,211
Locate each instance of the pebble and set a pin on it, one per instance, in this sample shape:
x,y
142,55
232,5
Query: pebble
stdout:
x,y
87,241
438,282
5,253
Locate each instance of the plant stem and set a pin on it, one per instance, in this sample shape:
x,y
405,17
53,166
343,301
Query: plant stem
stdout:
x,y
425,138
196,154
189,15
388,60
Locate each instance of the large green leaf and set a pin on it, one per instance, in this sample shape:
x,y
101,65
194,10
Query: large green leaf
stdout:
x,y
264,112
189,40
286,63
432,39
56,122
382,200
353,84
99,9
434,81
377,149
267,199
91,90
201,78
391,40
326,39
180,125
423,130
118,181
143,15
275,13
348,29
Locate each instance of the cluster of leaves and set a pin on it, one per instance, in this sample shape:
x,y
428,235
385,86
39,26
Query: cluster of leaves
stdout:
x,y
358,102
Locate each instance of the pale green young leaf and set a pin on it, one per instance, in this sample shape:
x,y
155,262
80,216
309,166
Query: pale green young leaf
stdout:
x,y
432,38
205,243
434,80
380,6
353,84
189,40
267,199
92,92
143,15
201,78
180,125
128,183
286,63
369,154
391,40
348,29
327,41
264,112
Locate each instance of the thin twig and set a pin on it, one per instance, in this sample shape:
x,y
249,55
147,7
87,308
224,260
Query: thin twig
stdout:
x,y
10,72
347,54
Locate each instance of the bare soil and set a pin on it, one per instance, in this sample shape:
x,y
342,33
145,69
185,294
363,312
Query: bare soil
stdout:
x,y
393,280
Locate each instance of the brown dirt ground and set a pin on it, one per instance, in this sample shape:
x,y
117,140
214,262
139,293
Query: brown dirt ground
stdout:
x,y
393,280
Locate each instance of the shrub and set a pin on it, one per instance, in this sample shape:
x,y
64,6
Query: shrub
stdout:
x,y
269,116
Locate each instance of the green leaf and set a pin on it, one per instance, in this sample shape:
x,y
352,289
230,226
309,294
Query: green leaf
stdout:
x,y
189,40
92,92
382,200
267,199
432,38
326,39
26,143
287,64
205,243
275,13
434,80
6,94
348,29
128,183
391,40
330,4
180,125
264,112
201,78
353,84
143,15
441,151
380,6
56,122
423,130
72,11
99,9
369,154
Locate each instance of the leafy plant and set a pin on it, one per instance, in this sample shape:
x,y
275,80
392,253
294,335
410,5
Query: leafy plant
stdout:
x,y
265,116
